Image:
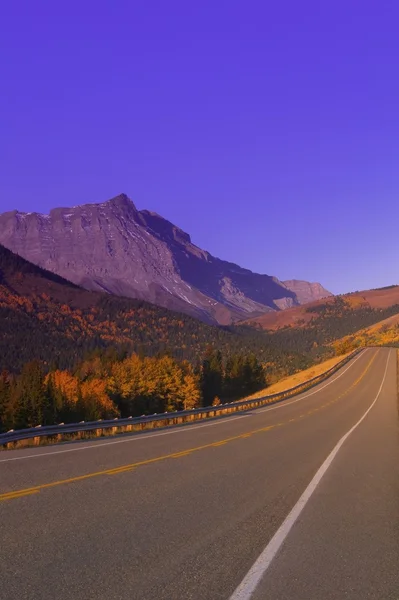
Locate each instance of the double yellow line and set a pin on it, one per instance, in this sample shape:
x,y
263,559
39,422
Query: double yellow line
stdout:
x,y
130,467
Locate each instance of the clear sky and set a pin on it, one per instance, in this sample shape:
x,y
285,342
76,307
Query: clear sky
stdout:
x,y
267,130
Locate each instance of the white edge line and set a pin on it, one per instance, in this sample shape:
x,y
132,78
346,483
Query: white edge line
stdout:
x,y
137,438
251,580
130,439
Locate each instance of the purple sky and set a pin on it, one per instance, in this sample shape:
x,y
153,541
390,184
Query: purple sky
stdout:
x,y
267,130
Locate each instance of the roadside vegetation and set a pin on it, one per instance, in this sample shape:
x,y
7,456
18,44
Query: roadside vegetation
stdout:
x,y
105,387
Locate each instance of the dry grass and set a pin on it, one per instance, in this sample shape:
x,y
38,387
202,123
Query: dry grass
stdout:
x,y
300,377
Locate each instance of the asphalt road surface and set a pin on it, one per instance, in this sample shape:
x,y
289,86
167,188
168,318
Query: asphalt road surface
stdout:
x,y
248,506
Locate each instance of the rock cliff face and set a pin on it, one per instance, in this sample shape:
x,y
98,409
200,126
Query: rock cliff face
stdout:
x,y
113,247
306,291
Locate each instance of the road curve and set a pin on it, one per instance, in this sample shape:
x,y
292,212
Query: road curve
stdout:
x,y
186,513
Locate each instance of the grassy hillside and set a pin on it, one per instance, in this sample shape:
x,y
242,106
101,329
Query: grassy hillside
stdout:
x,y
383,333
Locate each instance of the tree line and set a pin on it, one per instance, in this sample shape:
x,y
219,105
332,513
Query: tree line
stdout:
x,y
105,386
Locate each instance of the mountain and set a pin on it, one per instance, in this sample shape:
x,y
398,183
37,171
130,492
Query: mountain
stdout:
x,y
45,317
305,291
115,248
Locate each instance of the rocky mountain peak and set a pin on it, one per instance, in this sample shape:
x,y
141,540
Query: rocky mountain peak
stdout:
x,y
121,201
307,291
113,247
164,228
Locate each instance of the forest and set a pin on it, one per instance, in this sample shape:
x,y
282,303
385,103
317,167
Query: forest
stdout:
x,y
106,385
334,320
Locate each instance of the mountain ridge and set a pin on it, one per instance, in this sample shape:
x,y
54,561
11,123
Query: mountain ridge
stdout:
x,y
114,247
47,318
300,317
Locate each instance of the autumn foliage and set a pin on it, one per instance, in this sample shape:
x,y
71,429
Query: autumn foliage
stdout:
x,y
104,387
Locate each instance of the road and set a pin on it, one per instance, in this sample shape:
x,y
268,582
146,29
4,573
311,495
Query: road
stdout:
x,y
234,508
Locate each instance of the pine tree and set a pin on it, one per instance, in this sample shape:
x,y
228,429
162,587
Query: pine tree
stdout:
x,y
5,385
30,398
211,376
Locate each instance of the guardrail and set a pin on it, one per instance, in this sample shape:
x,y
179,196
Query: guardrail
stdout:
x,y
64,431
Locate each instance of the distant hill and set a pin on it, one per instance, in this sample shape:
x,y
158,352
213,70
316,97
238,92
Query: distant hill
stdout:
x,y
383,333
313,329
115,248
45,317
302,316
305,291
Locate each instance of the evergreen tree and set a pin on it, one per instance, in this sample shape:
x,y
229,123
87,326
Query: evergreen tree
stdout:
x,y
54,407
29,396
253,374
234,377
5,385
211,376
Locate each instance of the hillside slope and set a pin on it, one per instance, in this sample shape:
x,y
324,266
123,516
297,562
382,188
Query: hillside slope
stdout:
x,y
383,333
313,329
45,317
115,248
302,316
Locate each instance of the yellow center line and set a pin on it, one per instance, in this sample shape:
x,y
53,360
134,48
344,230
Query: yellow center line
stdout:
x,y
132,466
180,454
20,493
120,470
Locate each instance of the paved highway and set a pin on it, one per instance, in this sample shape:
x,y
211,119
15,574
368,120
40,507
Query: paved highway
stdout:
x,y
270,504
